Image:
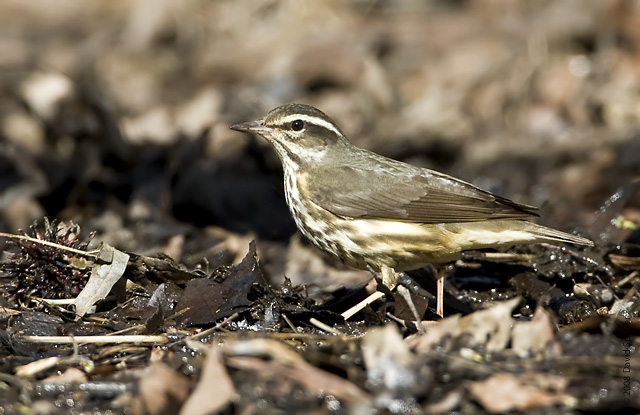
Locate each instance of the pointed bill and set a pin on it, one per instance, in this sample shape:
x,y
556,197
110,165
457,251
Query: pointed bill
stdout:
x,y
256,127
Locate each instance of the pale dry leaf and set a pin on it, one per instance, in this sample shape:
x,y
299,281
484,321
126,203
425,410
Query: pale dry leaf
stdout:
x,y
107,271
214,378
435,331
71,375
535,336
387,358
25,130
447,404
490,327
504,392
146,20
155,126
200,113
264,347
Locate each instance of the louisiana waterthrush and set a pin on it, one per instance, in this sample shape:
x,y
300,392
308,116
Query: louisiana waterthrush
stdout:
x,y
371,211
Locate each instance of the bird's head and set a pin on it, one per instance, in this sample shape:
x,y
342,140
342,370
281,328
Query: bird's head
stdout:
x,y
300,134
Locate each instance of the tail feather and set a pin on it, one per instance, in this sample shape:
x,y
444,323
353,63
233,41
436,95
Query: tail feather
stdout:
x,y
492,234
553,235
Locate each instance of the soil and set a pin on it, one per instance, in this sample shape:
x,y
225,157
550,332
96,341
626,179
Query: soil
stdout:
x,y
149,263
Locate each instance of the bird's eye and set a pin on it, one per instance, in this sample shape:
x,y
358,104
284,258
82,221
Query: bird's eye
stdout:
x,y
297,125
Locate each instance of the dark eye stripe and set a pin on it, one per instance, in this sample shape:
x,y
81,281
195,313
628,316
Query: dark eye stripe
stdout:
x,y
308,122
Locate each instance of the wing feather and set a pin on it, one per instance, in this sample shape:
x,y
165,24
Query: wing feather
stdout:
x,y
409,194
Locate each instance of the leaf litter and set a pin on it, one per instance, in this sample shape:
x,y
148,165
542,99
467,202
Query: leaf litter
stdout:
x,y
231,328
179,312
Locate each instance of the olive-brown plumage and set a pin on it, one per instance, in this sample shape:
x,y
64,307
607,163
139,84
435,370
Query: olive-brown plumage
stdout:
x,y
370,210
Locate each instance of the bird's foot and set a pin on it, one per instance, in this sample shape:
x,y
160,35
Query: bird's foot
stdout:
x,y
412,285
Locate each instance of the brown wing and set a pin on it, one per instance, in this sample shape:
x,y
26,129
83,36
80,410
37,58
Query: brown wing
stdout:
x,y
407,193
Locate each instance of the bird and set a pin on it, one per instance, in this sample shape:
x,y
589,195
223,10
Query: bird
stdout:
x,y
373,212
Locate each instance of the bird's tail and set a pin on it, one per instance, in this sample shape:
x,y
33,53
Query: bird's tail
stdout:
x,y
492,234
552,235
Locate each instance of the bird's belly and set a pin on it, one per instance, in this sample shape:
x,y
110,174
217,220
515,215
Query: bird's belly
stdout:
x,y
362,242
399,245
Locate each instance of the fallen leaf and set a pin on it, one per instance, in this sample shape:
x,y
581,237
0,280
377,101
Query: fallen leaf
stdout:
x,y
284,362
536,336
490,327
208,300
107,271
163,390
387,357
505,392
214,378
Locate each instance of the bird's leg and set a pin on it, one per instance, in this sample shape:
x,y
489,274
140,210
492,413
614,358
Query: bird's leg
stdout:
x,y
406,281
438,273
390,279
440,293
373,272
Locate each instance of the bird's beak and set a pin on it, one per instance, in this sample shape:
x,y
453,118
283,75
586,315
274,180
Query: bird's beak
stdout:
x,y
256,127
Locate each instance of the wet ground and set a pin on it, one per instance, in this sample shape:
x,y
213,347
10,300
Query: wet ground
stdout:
x,y
150,265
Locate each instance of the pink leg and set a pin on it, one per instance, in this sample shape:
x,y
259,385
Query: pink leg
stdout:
x,y
440,293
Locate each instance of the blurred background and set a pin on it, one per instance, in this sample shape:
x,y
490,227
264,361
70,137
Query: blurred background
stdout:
x,y
115,114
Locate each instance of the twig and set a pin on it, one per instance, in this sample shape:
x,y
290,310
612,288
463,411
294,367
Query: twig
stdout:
x,y
507,256
54,301
323,326
362,304
290,323
159,339
90,254
626,280
214,328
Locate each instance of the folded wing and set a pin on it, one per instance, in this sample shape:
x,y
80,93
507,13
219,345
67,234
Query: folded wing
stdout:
x,y
411,195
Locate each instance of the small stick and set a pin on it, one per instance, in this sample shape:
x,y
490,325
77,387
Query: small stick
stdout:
x,y
323,326
626,280
91,254
214,328
362,304
96,339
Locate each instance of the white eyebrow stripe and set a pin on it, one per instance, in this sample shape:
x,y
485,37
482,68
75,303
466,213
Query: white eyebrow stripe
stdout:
x,y
312,120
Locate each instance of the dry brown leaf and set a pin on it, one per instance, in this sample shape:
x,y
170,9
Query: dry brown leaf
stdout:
x,y
163,390
285,362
